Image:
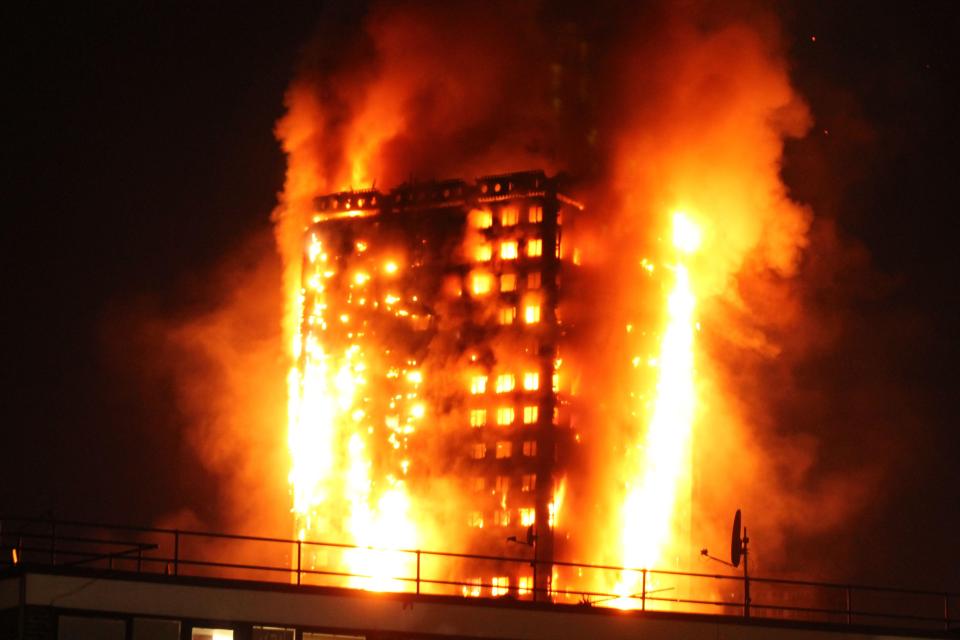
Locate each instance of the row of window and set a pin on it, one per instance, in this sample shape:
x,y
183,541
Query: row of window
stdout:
x,y
501,484
510,250
481,283
508,216
498,586
503,449
504,416
524,516
79,627
505,382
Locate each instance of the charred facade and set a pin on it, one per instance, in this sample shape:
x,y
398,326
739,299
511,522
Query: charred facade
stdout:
x,y
442,299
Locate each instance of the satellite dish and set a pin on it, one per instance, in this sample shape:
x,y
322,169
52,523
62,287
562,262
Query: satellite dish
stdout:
x,y
736,545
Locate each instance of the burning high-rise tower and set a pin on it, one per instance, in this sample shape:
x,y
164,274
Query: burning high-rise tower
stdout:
x,y
430,376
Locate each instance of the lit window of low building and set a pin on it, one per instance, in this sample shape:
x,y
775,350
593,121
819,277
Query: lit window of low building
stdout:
x,y
499,586
478,417
508,282
478,451
509,216
507,315
502,484
534,248
505,415
533,280
536,214
504,449
501,518
508,250
529,448
505,383
530,414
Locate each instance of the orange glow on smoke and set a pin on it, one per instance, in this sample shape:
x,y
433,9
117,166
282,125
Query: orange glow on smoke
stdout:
x,y
694,130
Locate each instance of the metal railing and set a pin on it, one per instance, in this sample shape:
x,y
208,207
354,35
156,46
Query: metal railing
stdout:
x,y
175,552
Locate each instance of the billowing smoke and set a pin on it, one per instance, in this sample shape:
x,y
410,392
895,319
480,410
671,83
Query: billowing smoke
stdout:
x,y
650,111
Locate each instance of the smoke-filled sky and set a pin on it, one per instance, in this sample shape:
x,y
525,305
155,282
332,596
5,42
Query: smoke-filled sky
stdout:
x,y
142,273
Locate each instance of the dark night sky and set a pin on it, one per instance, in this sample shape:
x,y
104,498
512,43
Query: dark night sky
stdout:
x,y
141,151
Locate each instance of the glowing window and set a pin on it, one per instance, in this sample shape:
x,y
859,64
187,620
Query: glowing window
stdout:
x,y
533,280
475,519
536,214
508,250
200,633
478,384
530,415
502,484
472,588
531,381
505,382
508,282
505,416
501,518
483,253
527,516
478,417
481,283
524,585
504,449
534,248
531,314
507,315
509,216
479,483
499,586
478,451
556,382
528,482
529,448
482,218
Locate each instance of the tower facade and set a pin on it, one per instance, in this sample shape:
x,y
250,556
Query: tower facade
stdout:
x,y
430,393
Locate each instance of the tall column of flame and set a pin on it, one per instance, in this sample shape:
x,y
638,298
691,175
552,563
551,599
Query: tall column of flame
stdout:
x,y
654,494
336,496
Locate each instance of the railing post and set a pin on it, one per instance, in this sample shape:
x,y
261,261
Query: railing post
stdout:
x,y
176,552
418,571
299,556
643,594
53,543
946,611
849,605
